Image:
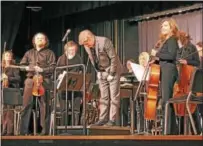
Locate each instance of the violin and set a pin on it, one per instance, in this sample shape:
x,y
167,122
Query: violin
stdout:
x,y
5,82
38,89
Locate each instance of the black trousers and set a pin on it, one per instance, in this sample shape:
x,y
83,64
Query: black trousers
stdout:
x,y
28,105
169,75
77,96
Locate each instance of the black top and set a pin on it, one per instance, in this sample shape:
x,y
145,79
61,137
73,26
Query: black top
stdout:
x,y
168,51
201,62
62,61
13,77
45,58
185,52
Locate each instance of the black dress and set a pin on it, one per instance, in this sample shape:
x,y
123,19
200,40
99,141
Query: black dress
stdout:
x,y
167,60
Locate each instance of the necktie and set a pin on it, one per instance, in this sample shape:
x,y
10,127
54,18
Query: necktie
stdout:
x,y
94,56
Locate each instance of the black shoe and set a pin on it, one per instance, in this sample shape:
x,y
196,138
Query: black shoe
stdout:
x,y
98,123
110,123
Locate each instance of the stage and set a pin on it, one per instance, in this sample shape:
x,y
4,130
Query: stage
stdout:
x,y
111,140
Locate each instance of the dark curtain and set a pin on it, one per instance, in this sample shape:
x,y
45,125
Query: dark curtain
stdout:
x,y
189,22
11,18
131,43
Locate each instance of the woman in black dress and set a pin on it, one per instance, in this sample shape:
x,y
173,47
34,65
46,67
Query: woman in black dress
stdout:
x,y
167,53
10,79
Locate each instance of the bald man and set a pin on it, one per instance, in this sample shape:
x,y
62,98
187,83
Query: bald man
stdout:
x,y
108,67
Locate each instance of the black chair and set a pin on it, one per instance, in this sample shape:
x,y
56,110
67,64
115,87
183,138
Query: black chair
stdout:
x,y
13,97
195,95
196,86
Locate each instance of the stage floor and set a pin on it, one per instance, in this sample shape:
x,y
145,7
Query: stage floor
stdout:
x,y
105,137
102,140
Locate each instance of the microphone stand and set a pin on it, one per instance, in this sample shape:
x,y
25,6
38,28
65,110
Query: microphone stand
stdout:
x,y
135,99
67,105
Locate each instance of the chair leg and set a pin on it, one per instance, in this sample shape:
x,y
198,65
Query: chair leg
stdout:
x,y
14,121
51,124
166,118
35,123
18,123
190,114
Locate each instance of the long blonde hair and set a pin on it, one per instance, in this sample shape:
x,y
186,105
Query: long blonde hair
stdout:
x,y
144,55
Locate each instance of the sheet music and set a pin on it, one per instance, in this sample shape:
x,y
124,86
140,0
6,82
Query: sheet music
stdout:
x,y
138,71
60,79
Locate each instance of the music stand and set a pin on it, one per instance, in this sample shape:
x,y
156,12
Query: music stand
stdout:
x,y
73,83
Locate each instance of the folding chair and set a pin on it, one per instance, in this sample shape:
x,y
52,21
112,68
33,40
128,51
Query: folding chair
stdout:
x,y
195,95
196,86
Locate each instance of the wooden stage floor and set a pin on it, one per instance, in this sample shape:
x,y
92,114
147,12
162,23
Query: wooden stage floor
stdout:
x,y
105,140
103,136
106,137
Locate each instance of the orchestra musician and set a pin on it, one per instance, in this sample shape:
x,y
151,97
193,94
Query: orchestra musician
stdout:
x,y
200,51
166,54
70,53
41,60
108,67
187,48
10,79
125,101
143,60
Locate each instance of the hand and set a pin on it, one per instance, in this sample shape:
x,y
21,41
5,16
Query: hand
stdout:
x,y
99,75
153,52
183,61
110,78
38,69
27,68
151,62
4,76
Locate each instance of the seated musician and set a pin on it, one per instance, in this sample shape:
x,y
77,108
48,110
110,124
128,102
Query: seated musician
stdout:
x,y
70,52
10,79
39,59
143,60
125,101
200,51
187,48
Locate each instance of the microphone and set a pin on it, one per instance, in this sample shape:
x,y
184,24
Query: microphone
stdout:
x,y
65,36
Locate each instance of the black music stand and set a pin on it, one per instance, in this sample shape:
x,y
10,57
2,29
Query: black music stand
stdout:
x,y
12,96
74,83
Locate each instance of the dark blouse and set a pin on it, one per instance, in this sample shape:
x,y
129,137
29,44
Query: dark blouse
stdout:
x,y
185,52
13,77
62,61
168,52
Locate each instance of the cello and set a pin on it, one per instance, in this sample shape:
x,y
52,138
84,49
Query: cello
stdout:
x,y
182,88
153,72
152,92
